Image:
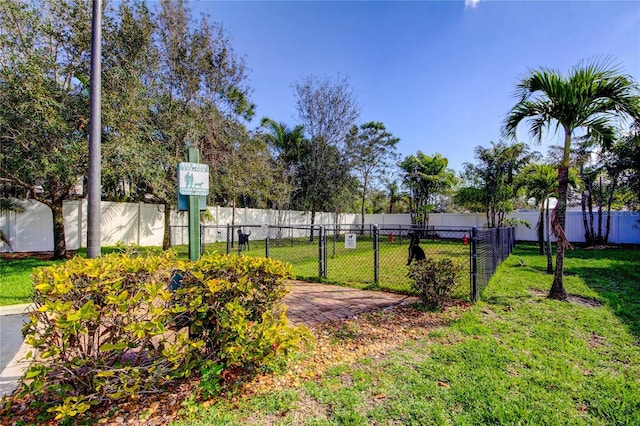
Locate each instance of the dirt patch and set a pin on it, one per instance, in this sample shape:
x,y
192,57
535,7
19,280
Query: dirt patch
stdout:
x,y
576,300
41,255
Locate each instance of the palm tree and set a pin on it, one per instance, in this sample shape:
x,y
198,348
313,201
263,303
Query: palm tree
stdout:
x,y
290,143
592,97
541,182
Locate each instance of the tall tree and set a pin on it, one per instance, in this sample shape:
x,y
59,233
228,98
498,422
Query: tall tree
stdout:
x,y
592,96
197,92
427,177
492,179
327,108
44,49
372,152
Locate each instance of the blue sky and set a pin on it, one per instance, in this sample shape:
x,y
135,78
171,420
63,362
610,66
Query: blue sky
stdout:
x,y
439,74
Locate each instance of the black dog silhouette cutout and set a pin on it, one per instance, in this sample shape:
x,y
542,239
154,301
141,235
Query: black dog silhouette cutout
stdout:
x,y
243,240
415,251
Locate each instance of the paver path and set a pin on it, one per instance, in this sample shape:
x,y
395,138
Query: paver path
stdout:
x,y
310,303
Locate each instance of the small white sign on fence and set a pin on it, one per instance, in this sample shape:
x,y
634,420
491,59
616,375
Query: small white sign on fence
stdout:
x,y
350,241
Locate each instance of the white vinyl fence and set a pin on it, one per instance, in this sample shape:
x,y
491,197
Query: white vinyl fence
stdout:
x,y
143,224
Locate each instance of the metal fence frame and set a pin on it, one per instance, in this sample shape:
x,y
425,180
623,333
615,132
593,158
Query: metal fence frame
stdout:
x,y
488,247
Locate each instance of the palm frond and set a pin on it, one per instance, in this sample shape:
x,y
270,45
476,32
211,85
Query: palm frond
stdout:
x,y
11,205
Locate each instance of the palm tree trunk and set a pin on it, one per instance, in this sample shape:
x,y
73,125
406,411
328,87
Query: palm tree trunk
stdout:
x,y
540,228
548,249
609,202
557,288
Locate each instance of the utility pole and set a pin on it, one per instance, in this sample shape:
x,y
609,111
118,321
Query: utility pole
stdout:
x,y
95,174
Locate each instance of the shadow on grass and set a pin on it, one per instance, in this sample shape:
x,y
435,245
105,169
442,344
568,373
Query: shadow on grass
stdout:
x,y
611,271
615,275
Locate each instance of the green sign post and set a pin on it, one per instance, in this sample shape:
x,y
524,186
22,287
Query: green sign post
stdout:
x,y
193,182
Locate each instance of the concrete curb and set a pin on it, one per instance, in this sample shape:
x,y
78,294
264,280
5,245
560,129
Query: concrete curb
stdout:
x,y
14,309
12,374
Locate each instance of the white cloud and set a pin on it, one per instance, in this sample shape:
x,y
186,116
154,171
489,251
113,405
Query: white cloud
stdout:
x,y
471,3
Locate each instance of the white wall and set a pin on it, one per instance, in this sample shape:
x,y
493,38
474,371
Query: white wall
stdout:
x,y
143,224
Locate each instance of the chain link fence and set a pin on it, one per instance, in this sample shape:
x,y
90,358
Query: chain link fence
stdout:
x,y
490,246
366,256
436,243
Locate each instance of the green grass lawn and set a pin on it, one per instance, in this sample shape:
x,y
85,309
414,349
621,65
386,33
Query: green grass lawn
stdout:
x,y
352,267
15,276
355,267
513,358
15,280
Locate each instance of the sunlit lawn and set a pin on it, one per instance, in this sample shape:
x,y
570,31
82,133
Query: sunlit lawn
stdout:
x,y
353,267
514,358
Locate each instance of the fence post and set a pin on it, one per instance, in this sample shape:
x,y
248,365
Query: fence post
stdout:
x,y
474,264
321,268
325,251
376,254
266,246
228,238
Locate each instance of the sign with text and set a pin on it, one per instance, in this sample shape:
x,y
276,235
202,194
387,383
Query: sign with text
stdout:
x,y
193,179
350,241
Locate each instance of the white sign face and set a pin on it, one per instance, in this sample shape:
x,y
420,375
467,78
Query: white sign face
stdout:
x,y
350,241
193,179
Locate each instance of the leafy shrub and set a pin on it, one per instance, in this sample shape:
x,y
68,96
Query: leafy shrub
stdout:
x,y
234,307
110,328
434,280
99,327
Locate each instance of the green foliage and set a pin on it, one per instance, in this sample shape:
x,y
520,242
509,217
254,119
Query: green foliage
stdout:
x,y
426,177
234,307
111,328
98,327
211,382
435,280
491,182
515,221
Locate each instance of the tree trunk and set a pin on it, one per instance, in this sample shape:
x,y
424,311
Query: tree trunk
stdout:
x,y
540,228
609,202
313,221
59,240
600,203
557,288
592,233
548,248
583,205
233,222
166,239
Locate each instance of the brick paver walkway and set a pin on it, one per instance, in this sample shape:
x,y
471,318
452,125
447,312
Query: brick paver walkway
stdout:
x,y
310,303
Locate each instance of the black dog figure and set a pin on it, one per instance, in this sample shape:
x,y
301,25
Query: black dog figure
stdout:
x,y
243,240
415,251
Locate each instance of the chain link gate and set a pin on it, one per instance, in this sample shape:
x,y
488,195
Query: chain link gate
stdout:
x,y
347,252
